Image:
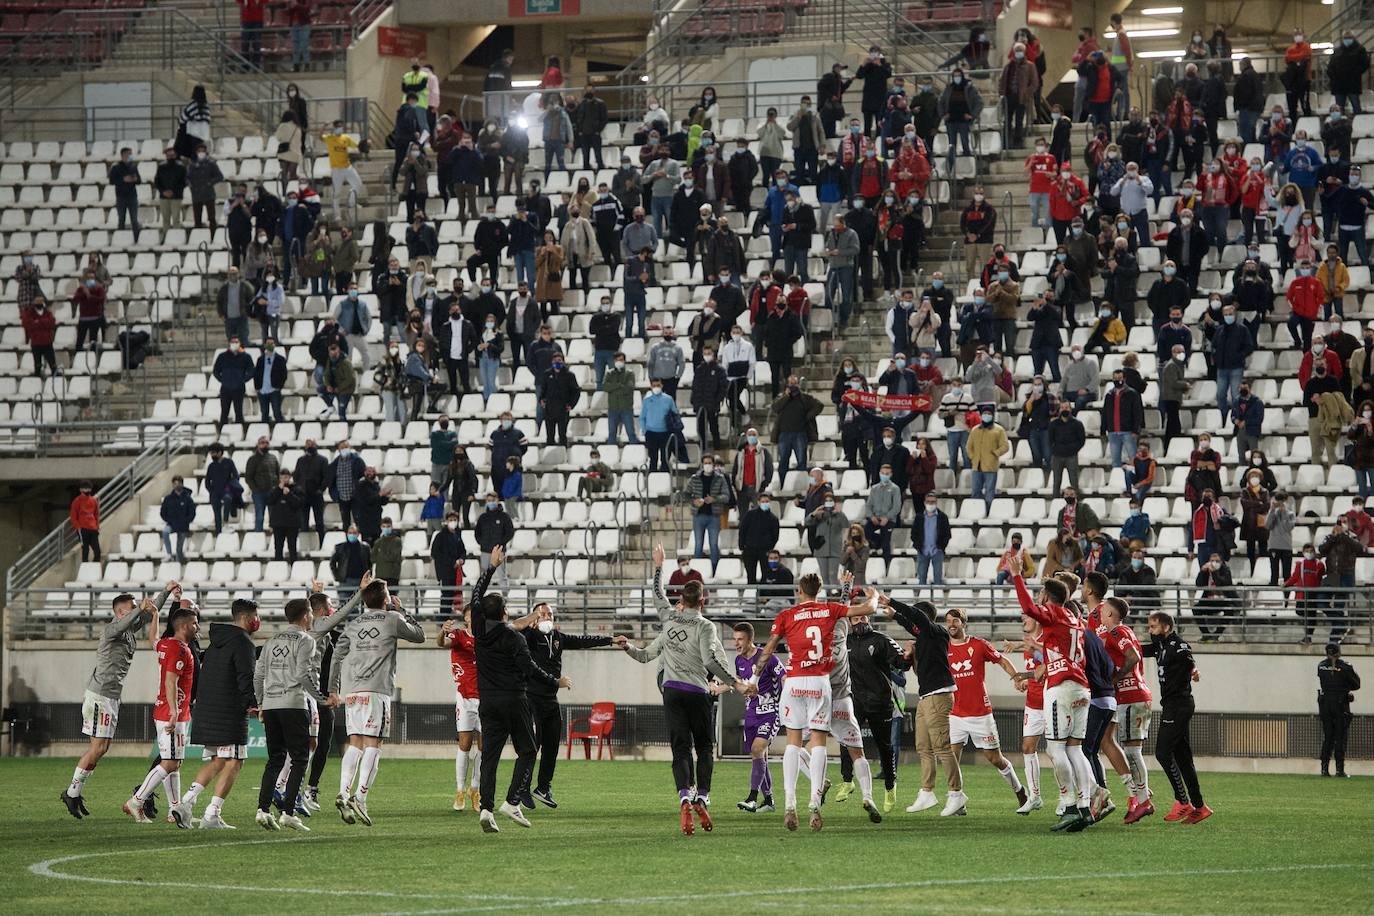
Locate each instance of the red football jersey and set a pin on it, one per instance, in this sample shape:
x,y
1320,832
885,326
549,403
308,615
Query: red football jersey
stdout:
x,y
1133,688
464,660
1061,635
966,662
809,629
1044,166
174,657
1035,690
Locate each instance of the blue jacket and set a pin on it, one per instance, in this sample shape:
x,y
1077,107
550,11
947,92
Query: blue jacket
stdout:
x,y
433,508
1251,411
465,165
1301,166
179,510
297,222
653,412
233,371
347,307
1136,528
832,185
776,202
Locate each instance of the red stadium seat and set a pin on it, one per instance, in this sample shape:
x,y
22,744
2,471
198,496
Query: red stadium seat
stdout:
x,y
747,24
774,24
598,727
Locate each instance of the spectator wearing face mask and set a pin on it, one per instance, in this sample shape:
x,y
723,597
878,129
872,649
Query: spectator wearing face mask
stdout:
x,y
1217,597
987,443
221,486
960,106
560,393
758,535
794,425
494,529
1015,561
233,369
447,552
1231,349
680,577
1186,246
827,527
930,536
352,558
708,490
368,499
882,511
1107,330
1066,439
709,387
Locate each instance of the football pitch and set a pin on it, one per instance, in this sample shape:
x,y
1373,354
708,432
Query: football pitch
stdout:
x,y
1277,844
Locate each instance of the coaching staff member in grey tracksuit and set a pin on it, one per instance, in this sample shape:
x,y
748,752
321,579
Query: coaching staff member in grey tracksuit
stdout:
x,y
504,671
547,644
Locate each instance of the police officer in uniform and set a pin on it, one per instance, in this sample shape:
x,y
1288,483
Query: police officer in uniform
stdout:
x,y
1336,681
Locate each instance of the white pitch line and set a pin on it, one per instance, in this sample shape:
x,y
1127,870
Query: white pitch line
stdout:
x,y
47,869
557,903
497,902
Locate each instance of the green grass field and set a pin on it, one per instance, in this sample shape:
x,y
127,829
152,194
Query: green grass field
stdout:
x,y
1277,844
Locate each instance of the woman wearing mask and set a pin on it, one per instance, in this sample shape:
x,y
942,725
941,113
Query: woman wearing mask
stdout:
x,y
462,478
1279,526
920,470
706,112
1107,332
548,275
318,261
193,124
419,373
1288,214
391,382
579,246
268,302
925,329
1255,505
490,342
856,553
1361,435
1062,554
259,258
1305,243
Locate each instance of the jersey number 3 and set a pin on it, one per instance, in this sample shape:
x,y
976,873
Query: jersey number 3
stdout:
x,y
813,633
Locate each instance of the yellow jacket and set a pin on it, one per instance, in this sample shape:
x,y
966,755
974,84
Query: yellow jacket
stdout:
x,y
338,146
1335,287
986,446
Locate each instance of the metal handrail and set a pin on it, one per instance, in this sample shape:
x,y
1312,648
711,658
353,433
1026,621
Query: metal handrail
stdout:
x,y
87,438
122,487
1256,614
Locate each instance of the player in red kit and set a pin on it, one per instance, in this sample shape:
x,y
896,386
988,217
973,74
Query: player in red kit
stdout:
x,y
971,716
457,638
1132,701
809,630
176,665
1066,694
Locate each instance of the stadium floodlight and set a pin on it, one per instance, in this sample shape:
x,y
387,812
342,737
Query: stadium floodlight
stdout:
x,y
1177,54
522,121
1163,11
524,84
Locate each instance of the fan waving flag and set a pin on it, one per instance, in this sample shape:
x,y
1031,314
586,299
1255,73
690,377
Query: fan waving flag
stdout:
x,y
888,403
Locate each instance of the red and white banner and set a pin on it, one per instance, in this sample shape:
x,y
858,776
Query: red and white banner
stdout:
x,y
888,403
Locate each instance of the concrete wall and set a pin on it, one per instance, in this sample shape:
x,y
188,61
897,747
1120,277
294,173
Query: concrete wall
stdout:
x,y
1230,682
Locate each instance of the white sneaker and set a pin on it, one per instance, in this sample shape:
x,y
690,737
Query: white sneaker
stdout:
x,y
1032,804
514,813
292,822
215,822
266,821
134,808
311,803
359,808
488,822
925,800
326,412
955,803
181,814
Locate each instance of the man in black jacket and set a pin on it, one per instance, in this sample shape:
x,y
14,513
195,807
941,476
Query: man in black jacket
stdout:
x,y
758,535
269,378
284,504
872,655
930,657
1067,436
559,395
709,385
310,473
1175,668
494,529
448,553
777,585
224,697
490,239
547,644
505,669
